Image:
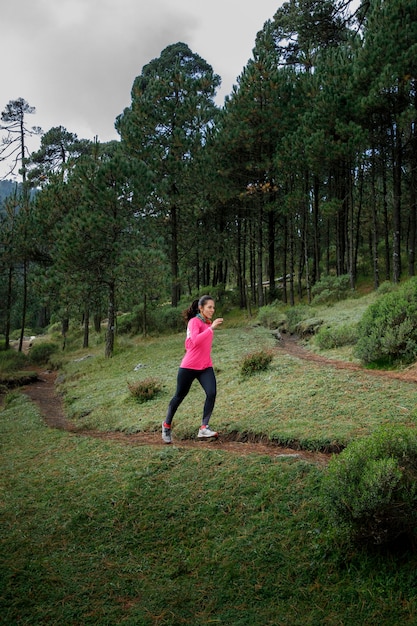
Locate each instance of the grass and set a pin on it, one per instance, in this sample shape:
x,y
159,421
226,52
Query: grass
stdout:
x,y
99,532
294,402
95,532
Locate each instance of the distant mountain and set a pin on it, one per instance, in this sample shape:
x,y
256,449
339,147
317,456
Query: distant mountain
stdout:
x,y
7,187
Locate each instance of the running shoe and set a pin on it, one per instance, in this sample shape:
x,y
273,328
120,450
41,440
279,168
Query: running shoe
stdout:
x,y
166,434
206,433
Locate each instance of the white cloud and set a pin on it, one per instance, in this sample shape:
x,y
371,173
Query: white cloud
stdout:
x,y
76,60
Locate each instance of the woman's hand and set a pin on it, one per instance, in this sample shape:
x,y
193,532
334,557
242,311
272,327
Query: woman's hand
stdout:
x,y
217,322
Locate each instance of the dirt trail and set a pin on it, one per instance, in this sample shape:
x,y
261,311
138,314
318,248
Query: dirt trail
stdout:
x,y
43,393
290,345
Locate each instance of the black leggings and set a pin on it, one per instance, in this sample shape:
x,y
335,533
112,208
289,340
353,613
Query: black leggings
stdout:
x,y
185,378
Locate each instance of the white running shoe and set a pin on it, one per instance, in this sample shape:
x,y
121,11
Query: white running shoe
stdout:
x,y
166,434
206,433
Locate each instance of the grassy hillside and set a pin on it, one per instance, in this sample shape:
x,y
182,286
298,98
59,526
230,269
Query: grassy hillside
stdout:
x,y
295,402
97,532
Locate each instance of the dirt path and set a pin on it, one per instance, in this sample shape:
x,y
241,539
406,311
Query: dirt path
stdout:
x,y
43,393
290,345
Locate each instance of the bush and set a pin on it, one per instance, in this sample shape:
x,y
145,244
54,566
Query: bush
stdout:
x,y
270,317
387,332
159,320
144,390
297,314
41,352
12,361
370,489
328,338
331,289
386,287
256,362
308,327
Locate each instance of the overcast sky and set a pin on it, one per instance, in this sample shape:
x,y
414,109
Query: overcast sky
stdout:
x,y
76,60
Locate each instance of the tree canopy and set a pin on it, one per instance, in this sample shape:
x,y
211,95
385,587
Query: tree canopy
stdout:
x,y
309,169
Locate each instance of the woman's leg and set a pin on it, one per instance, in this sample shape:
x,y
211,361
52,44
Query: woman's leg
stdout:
x,y
207,380
184,381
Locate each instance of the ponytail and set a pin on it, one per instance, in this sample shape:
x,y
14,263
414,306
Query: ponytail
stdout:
x,y
191,311
194,308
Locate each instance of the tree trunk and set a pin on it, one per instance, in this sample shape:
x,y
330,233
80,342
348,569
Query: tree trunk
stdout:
x,y
292,261
284,263
396,173
111,323
24,304
175,287
259,255
145,315
315,273
413,202
8,310
97,322
271,255
375,235
86,327
240,264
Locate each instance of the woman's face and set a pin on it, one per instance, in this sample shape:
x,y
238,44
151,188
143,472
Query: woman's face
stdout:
x,y
208,309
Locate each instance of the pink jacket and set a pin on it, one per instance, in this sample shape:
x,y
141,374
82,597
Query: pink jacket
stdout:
x,y
198,345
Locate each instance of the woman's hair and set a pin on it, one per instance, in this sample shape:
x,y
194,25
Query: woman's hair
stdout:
x,y
194,308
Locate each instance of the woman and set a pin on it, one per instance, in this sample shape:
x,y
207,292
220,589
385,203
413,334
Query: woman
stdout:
x,y
196,364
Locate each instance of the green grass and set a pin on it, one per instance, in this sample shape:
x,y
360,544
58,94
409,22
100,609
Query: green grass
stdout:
x,y
294,402
103,533
95,532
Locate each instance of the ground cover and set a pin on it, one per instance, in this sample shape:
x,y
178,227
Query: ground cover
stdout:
x,y
102,524
303,400
96,532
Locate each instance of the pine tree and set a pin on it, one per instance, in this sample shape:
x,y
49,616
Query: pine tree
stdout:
x,y
165,128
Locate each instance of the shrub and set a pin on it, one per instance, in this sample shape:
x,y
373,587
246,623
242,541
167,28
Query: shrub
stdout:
x,y
308,327
387,332
297,314
331,289
328,338
256,362
270,317
41,352
12,361
159,320
15,334
370,489
386,287
144,390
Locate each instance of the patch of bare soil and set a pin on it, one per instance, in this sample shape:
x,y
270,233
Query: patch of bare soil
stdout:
x,y
44,394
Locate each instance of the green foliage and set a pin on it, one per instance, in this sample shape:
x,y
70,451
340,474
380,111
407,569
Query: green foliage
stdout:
x,y
296,314
258,361
85,537
41,352
144,390
15,334
308,327
10,398
158,321
271,317
11,361
370,489
331,289
387,331
329,337
386,287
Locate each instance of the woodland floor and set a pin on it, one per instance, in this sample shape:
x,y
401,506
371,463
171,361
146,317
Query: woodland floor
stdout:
x,y
43,393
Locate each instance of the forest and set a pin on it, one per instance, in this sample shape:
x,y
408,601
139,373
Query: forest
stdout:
x,y
308,170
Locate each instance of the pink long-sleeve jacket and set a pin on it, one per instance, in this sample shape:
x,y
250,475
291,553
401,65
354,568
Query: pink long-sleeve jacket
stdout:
x,y
198,345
